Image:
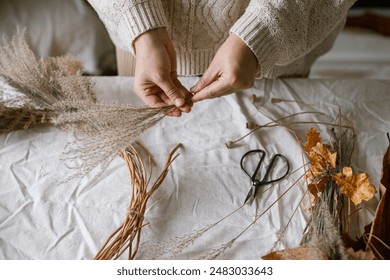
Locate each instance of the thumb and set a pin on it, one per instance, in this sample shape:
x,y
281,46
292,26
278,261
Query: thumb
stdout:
x,y
215,89
207,78
172,92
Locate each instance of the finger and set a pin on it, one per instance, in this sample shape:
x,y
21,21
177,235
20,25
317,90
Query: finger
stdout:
x,y
184,92
153,101
186,108
171,91
164,98
208,77
161,100
187,97
150,95
174,112
215,89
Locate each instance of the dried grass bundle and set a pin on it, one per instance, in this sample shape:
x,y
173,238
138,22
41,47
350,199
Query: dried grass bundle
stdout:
x,y
324,229
127,236
53,91
330,218
50,84
21,118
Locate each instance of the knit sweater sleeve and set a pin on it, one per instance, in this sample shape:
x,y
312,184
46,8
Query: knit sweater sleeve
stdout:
x,y
127,19
281,31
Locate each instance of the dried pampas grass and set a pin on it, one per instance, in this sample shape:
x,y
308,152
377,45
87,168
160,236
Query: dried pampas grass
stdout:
x,y
54,91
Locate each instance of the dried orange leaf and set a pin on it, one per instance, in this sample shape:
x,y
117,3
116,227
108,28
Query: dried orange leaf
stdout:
x,y
360,254
324,152
317,168
356,187
322,160
312,138
317,187
299,253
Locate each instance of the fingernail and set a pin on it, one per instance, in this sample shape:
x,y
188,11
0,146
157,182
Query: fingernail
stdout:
x,y
179,102
193,89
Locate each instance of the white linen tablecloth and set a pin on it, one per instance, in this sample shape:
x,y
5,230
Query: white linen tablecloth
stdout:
x,y
41,218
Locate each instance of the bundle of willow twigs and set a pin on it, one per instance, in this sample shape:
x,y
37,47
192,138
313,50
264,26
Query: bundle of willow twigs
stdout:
x,y
128,235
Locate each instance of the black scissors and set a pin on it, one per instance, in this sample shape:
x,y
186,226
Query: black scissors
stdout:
x,y
257,183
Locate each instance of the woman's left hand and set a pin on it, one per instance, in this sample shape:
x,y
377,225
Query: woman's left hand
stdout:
x,y
233,68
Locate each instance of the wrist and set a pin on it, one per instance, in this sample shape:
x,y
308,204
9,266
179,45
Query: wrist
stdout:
x,y
244,52
151,38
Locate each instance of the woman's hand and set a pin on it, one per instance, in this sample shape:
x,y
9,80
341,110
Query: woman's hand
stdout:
x,y
156,80
233,68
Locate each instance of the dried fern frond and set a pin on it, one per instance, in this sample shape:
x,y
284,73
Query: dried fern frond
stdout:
x,y
53,91
127,236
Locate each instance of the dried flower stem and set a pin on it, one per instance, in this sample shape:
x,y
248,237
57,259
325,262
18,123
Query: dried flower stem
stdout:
x,y
176,245
281,235
273,123
218,251
279,100
300,122
368,237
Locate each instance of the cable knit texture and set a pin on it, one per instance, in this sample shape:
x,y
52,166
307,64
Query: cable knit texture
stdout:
x,y
286,36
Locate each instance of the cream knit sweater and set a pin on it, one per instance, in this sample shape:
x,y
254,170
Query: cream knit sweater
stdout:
x,y
286,36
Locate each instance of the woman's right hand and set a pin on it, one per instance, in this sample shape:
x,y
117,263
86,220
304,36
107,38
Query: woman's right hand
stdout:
x,y
156,81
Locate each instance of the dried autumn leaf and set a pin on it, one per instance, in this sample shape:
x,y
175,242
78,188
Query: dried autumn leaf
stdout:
x,y
360,254
299,253
317,187
356,187
312,138
322,160
324,152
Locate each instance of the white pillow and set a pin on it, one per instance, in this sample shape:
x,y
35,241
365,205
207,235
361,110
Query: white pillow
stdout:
x,y
58,27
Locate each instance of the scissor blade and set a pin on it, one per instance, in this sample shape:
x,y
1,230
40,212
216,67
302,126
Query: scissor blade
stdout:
x,y
250,196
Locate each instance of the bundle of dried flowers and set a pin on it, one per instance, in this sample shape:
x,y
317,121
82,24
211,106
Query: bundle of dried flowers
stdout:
x,y
334,191
127,236
53,91
332,188
332,185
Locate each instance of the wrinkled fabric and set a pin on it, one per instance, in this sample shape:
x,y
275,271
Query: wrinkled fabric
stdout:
x,y
42,217
55,28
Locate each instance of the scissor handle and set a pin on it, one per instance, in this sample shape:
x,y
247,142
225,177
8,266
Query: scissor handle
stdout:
x,y
271,165
253,176
264,181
